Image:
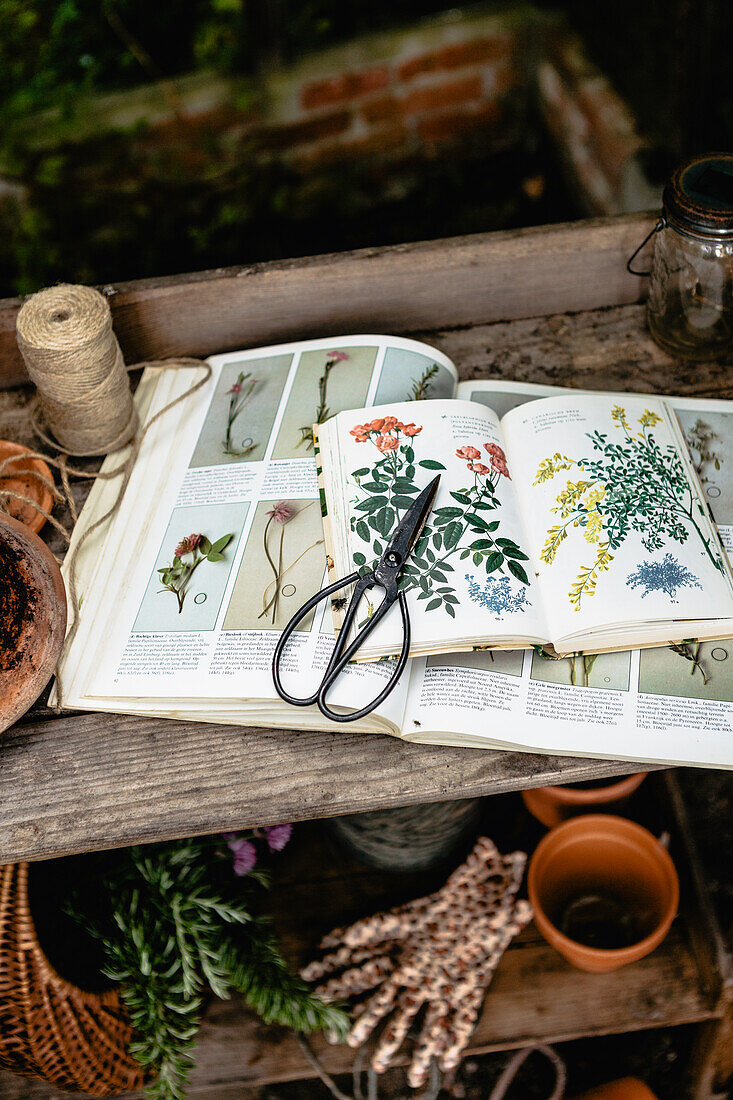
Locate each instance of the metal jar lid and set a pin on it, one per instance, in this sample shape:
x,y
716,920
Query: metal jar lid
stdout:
x,y
698,197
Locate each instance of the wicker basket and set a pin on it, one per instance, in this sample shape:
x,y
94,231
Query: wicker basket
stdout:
x,y
50,1029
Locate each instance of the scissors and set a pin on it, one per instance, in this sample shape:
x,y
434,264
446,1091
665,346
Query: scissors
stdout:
x,y
384,575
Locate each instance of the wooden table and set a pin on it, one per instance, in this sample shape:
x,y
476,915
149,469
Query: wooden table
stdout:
x,y
554,305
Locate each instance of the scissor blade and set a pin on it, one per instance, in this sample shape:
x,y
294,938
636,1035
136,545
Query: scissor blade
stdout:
x,y
411,525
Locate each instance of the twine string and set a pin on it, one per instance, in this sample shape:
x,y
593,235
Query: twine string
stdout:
x,y
72,355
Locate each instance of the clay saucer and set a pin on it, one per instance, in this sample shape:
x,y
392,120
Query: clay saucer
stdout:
x,y
17,479
32,618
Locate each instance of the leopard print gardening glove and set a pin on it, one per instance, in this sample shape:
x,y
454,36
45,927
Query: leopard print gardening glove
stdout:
x,y
439,951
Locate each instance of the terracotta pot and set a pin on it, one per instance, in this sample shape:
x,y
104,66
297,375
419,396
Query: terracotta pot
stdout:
x,y
17,480
611,880
32,618
551,805
627,1088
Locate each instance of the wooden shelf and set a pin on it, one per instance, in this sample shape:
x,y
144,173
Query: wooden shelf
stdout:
x,y
84,782
89,782
535,995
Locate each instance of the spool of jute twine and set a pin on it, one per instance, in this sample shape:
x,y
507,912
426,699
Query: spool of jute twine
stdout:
x,y
71,353
65,337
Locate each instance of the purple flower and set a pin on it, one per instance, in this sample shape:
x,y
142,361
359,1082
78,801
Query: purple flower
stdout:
x,y
281,513
278,836
245,856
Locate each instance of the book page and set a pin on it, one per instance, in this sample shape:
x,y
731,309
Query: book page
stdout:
x,y
658,705
466,582
227,485
707,424
616,528
650,705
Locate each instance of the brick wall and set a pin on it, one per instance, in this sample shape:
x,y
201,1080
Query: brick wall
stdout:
x,y
386,97
458,85
593,129
411,93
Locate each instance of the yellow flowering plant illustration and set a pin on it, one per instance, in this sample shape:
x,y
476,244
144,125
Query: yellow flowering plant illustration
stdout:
x,y
627,484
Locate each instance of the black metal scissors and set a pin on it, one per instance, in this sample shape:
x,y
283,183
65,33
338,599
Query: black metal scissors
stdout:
x,y
384,575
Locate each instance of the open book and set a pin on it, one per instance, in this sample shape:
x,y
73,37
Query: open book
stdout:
x,y
219,539
577,522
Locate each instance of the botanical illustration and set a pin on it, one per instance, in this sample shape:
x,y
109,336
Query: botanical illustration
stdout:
x,y
690,651
497,595
322,411
239,395
280,515
702,439
422,386
631,484
667,575
188,555
607,671
387,488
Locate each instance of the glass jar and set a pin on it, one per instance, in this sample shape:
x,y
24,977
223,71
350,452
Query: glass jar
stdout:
x,y
690,303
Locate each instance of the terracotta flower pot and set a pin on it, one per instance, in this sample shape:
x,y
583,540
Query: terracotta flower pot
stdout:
x,y
32,618
17,479
603,890
627,1088
551,805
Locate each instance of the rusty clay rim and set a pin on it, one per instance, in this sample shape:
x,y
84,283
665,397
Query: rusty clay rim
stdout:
x,y
32,618
26,513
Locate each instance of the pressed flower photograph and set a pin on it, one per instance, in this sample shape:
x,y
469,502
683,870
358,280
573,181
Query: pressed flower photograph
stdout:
x,y
190,553
328,381
696,670
710,440
283,564
242,409
609,671
409,375
239,394
192,568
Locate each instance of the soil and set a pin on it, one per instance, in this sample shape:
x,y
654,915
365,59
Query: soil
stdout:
x,y
17,603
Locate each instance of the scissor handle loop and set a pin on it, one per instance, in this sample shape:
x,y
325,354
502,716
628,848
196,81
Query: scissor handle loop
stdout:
x,y
289,629
339,664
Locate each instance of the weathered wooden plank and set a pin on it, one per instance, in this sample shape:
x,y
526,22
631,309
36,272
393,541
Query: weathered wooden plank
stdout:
x,y
86,782
604,349
426,285
712,953
535,997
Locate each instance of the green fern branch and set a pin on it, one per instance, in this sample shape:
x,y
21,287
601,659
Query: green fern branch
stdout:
x,y
178,930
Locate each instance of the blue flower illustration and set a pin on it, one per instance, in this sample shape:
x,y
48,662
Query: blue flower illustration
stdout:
x,y
496,595
667,575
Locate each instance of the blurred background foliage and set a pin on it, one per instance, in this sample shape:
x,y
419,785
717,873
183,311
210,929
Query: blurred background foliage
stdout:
x,y
112,209
98,211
